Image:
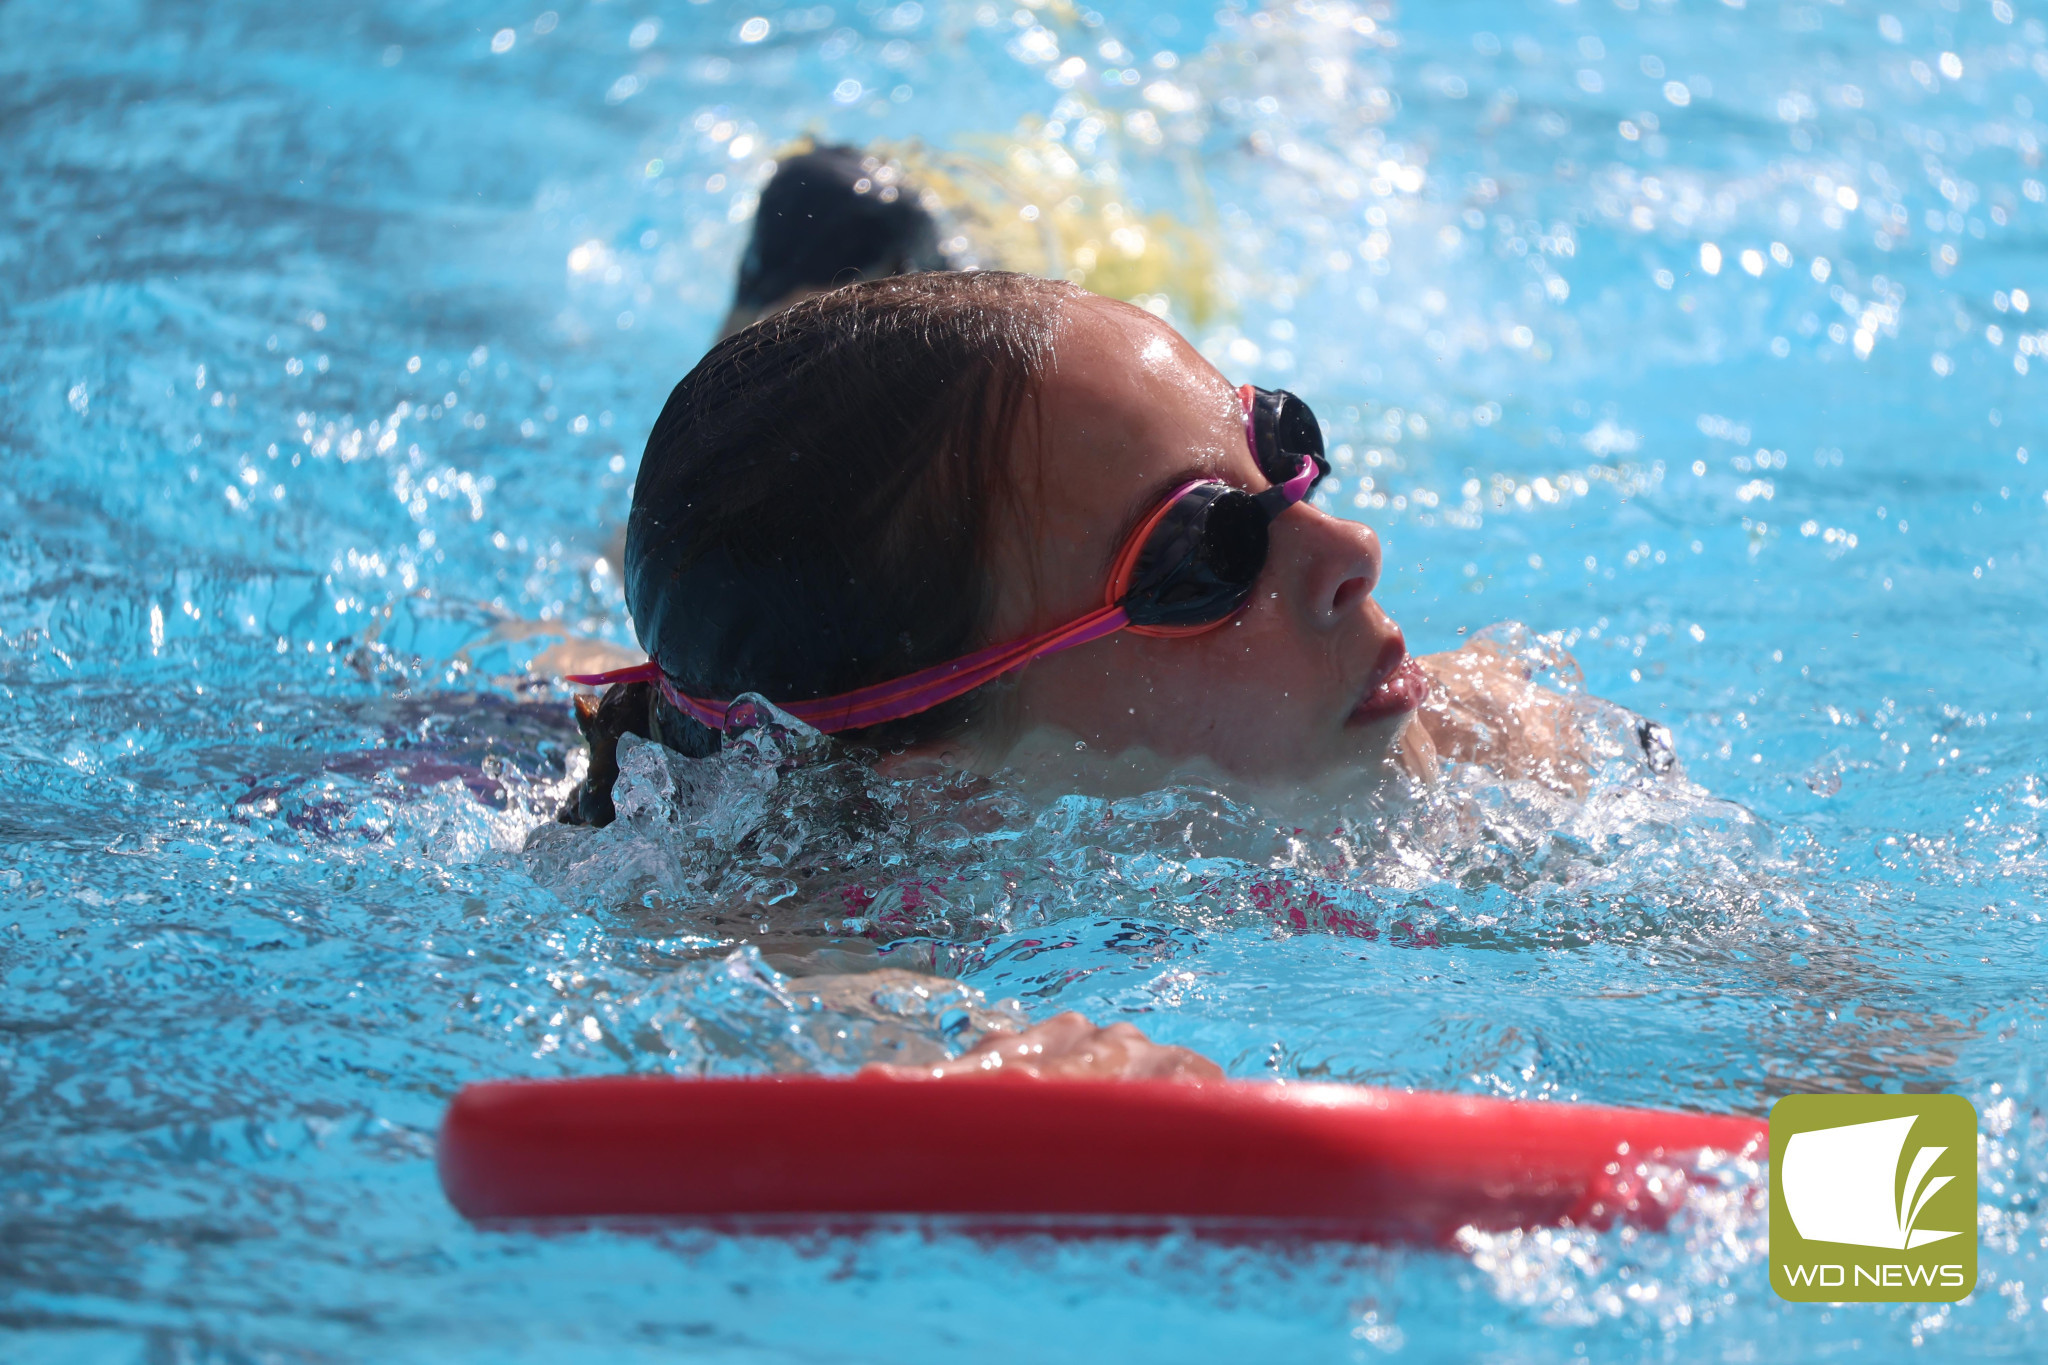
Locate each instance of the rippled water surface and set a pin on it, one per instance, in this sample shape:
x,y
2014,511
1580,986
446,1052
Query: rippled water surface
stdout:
x,y
1697,337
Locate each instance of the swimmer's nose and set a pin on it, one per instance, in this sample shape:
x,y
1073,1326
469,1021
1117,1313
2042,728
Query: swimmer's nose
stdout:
x,y
1341,568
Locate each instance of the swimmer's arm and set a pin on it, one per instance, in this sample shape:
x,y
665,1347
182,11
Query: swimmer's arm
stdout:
x,y
1065,1045
1482,708
1068,1046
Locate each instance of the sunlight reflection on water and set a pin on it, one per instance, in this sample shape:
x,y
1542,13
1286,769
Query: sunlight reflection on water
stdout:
x,y
1698,338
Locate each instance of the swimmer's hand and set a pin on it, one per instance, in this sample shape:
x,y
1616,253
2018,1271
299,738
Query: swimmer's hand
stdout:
x,y
1067,1046
1482,708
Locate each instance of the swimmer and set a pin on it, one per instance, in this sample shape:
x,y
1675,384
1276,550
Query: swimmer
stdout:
x,y
877,506
978,520
826,218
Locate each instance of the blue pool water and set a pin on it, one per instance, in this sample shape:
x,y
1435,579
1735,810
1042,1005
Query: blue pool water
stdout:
x,y
1703,338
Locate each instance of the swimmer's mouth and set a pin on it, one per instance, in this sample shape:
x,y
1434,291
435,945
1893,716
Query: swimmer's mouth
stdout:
x,y
1397,687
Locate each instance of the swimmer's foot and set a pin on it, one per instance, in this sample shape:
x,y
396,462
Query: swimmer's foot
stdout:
x,y
831,216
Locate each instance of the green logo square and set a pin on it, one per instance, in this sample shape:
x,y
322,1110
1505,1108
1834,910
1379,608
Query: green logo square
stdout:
x,y
1873,1198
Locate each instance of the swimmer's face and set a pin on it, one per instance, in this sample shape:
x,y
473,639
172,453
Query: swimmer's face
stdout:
x,y
1280,691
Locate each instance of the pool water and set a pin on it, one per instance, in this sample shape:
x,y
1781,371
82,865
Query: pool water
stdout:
x,y
1696,337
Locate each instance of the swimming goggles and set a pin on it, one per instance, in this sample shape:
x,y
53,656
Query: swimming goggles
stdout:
x,y
1187,568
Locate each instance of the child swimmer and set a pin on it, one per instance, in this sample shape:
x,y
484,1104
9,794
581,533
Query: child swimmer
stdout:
x,y
979,519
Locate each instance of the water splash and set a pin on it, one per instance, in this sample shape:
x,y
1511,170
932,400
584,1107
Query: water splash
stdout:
x,y
1698,337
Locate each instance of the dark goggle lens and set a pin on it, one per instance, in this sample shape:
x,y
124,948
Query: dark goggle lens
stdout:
x,y
1199,564
1201,560
1284,430
1234,538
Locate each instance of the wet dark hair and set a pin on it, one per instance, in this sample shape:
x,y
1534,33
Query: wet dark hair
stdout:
x,y
815,503
830,216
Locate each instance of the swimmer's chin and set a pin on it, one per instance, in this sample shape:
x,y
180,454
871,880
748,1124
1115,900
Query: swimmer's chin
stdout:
x,y
1049,761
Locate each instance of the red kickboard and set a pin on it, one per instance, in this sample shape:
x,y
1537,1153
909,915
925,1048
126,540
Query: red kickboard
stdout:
x,y
997,1152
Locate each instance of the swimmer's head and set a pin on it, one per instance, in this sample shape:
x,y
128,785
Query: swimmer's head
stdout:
x,y
815,504
891,475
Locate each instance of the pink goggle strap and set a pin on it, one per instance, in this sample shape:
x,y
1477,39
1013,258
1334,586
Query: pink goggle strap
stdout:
x,y
897,698
1295,488
929,687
